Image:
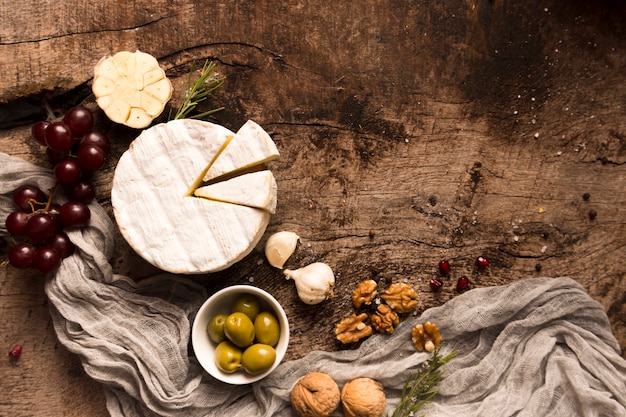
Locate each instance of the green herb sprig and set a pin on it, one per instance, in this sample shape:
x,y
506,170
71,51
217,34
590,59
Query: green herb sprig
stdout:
x,y
419,389
197,90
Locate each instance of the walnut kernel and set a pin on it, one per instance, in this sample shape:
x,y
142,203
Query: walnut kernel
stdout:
x,y
385,319
363,397
364,293
401,297
353,329
315,395
426,337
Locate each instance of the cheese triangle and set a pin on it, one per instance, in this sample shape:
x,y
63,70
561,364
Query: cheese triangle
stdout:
x,y
255,189
251,146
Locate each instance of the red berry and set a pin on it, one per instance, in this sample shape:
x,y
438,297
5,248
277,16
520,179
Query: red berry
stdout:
x,y
21,255
482,262
67,172
462,284
46,259
90,157
39,131
16,223
59,137
444,267
41,226
436,284
79,120
15,352
75,214
25,196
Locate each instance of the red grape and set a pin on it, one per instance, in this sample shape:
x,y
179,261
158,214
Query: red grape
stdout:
x,y
59,137
75,214
21,255
46,259
97,138
39,131
40,227
83,191
79,120
26,195
16,223
67,172
90,157
62,243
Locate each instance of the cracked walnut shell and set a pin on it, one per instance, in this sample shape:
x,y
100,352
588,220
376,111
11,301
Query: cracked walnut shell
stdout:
x,y
315,395
353,329
401,297
364,293
363,397
426,337
384,319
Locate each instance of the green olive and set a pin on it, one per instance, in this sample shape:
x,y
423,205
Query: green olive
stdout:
x,y
227,357
247,304
215,328
267,328
258,358
239,329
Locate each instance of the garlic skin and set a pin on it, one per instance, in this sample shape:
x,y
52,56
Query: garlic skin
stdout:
x,y
279,247
314,282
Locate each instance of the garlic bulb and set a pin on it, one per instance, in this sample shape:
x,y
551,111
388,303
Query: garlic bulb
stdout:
x,y
314,282
279,247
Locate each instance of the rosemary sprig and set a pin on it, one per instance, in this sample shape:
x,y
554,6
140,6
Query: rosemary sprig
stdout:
x,y
197,90
420,388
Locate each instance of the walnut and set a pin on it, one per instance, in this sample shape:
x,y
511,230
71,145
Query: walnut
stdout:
x,y
385,319
353,329
400,297
364,293
426,337
363,397
315,395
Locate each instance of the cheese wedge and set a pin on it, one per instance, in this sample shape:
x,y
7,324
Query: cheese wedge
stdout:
x,y
255,189
174,229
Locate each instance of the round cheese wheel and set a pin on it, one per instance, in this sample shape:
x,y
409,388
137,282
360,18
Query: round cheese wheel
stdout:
x,y
155,206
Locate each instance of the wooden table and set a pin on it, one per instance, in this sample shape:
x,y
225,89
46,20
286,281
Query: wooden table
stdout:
x,y
409,132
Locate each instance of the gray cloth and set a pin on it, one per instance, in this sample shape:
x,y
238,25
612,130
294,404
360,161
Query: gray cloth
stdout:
x,y
536,347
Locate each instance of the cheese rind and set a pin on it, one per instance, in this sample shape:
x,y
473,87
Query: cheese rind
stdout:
x,y
255,189
171,230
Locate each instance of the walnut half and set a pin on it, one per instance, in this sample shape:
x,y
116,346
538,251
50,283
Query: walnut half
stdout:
x,y
426,337
401,297
385,319
353,329
364,293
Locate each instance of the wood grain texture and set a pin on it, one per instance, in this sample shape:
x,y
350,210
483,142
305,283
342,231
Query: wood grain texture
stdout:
x,y
409,132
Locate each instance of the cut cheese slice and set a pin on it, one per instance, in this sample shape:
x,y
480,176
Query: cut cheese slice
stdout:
x,y
166,224
255,189
251,146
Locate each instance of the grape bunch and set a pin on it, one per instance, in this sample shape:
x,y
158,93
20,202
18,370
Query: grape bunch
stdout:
x,y
38,224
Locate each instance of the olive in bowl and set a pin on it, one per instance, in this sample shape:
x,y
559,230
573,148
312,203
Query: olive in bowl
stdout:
x,y
240,334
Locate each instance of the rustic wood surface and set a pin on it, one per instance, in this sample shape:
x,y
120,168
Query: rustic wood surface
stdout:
x,y
409,132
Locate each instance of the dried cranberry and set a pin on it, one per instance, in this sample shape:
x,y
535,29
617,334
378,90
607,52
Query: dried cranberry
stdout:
x,y
444,267
482,262
462,284
436,284
15,352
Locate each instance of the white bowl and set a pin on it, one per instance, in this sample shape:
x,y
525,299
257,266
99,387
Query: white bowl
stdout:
x,y
221,302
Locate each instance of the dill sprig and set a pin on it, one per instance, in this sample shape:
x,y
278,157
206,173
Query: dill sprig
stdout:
x,y
420,388
197,90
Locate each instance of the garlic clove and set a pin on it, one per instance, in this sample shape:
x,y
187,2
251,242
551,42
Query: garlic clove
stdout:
x,y
279,247
314,282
